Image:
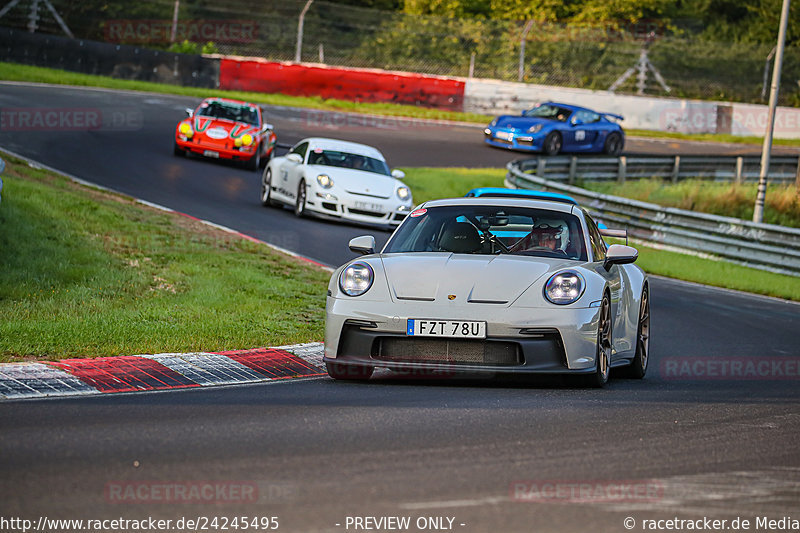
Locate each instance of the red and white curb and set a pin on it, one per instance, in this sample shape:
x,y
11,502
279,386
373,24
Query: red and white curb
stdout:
x,y
139,373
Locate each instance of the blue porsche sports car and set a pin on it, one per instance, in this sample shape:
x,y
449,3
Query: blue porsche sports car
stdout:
x,y
501,192
551,128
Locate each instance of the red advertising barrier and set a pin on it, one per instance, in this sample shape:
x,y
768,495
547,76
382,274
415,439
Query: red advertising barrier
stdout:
x,y
340,83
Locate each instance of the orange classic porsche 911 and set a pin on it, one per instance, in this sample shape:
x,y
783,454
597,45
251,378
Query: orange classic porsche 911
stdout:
x,y
226,129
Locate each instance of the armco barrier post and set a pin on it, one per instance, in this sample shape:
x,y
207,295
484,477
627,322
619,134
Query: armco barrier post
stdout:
x,y
621,171
676,169
740,168
797,178
573,166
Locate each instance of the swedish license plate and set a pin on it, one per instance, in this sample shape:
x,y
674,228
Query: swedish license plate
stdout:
x,y
505,135
210,153
446,328
367,206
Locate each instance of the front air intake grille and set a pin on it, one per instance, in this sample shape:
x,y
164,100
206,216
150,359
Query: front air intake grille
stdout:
x,y
467,352
366,213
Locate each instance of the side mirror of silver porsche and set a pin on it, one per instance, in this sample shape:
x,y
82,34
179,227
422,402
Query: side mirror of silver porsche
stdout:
x,y
398,174
619,254
363,245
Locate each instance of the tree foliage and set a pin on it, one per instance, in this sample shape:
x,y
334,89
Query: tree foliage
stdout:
x,y
719,20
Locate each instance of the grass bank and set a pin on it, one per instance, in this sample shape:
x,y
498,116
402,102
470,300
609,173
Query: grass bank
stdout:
x,y
432,183
16,72
89,273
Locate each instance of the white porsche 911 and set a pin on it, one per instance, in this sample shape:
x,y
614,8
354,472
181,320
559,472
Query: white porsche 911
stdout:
x,y
337,179
490,285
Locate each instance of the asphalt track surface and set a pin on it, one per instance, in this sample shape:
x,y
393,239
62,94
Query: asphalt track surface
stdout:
x,y
319,451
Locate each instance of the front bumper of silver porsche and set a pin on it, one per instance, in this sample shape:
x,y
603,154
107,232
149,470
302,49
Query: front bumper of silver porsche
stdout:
x,y
518,340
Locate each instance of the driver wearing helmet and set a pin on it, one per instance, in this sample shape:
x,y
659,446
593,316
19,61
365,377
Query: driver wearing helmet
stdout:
x,y
542,237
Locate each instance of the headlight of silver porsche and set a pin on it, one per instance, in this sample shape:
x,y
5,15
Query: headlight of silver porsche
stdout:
x,y
404,193
325,181
564,287
356,279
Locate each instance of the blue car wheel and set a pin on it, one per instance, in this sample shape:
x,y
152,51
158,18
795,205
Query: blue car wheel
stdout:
x,y
552,143
613,145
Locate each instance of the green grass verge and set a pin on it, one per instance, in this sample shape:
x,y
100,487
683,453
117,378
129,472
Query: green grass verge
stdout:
x,y
709,137
15,72
725,199
88,273
432,183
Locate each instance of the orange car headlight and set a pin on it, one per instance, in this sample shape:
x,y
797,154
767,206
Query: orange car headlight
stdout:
x,y
186,129
247,139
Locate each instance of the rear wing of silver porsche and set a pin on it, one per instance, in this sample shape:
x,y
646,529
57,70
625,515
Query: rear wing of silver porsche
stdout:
x,y
615,233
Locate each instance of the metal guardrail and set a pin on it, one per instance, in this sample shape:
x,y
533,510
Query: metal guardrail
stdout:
x,y
718,168
764,246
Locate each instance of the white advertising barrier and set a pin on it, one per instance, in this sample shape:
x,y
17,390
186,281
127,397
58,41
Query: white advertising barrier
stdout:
x,y
641,112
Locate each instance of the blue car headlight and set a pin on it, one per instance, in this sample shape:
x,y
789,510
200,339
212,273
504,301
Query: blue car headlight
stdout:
x,y
536,128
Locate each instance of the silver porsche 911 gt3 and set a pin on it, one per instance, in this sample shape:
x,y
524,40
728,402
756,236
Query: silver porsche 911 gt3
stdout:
x,y
490,285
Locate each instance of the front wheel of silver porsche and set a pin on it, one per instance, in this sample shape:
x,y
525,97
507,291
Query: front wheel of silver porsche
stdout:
x,y
603,356
342,372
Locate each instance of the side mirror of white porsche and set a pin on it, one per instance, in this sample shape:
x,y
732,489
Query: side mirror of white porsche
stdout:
x,y
619,254
363,245
398,174
295,158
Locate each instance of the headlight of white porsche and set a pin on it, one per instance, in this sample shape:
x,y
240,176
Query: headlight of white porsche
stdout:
x,y
404,193
356,279
536,128
325,181
564,287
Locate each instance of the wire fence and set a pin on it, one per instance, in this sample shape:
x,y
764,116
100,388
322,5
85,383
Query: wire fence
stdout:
x,y
590,56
